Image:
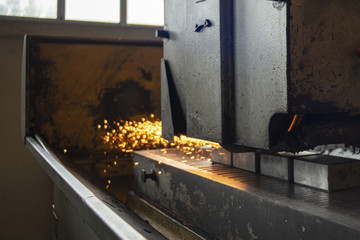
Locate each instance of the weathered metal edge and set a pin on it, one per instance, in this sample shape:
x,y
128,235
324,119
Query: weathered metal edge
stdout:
x,y
339,223
105,223
168,226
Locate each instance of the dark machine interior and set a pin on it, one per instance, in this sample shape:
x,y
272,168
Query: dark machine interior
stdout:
x,y
78,90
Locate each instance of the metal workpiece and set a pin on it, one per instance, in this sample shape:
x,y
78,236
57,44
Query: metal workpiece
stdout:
x,y
237,204
277,166
222,156
249,161
327,172
280,165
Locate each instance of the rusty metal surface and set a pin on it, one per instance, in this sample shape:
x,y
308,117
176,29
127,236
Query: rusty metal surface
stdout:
x,y
249,161
324,70
74,84
230,203
276,166
222,156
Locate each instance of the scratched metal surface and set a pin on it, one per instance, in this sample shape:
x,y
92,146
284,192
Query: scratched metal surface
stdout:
x,y
231,203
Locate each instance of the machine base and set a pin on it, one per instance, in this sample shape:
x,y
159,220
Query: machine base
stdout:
x,y
230,203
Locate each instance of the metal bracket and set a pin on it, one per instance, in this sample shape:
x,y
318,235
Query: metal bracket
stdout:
x,y
162,34
172,113
202,24
151,175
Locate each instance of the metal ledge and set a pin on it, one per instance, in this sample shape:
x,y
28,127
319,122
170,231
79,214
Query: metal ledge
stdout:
x,y
105,222
228,203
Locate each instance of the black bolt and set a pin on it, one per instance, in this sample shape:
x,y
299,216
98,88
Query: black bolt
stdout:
x,y
162,34
151,175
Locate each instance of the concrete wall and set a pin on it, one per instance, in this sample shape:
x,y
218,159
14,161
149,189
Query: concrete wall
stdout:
x,y
26,191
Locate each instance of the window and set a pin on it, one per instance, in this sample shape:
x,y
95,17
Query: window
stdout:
x,y
138,12
29,8
93,10
148,12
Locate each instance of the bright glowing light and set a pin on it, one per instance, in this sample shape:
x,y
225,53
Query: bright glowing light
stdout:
x,y
29,8
126,136
148,12
144,12
93,10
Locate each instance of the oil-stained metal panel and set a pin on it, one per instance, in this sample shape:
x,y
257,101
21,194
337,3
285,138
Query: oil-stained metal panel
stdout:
x,y
260,53
203,70
325,69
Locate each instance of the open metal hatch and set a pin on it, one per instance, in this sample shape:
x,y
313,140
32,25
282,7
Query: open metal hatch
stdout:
x,y
73,88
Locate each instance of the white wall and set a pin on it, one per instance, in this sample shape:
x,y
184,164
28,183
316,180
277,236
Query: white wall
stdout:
x,y
26,191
